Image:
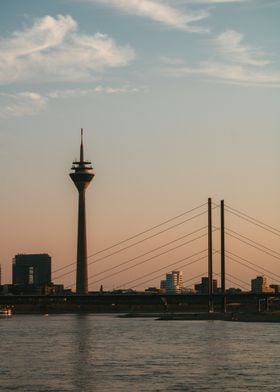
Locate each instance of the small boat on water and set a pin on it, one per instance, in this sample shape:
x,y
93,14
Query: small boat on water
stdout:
x,y
5,312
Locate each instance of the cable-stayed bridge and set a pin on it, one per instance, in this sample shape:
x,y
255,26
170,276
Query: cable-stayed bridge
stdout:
x,y
210,240
182,242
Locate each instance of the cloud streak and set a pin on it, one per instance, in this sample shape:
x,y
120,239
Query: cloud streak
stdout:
x,y
230,73
53,50
27,103
214,1
230,45
78,92
159,12
24,103
238,63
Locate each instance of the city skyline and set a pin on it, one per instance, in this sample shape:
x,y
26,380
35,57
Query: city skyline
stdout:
x,y
179,101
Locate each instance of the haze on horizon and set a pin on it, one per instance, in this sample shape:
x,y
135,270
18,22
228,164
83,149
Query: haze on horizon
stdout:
x,y
179,102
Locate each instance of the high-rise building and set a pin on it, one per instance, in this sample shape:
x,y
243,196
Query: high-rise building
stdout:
x,y
203,287
81,176
32,269
259,285
163,284
174,282
275,287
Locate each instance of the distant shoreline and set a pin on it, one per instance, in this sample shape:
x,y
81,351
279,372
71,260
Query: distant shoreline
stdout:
x,y
264,317
234,317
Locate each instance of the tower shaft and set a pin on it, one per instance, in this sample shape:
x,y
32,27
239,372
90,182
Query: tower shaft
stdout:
x,y
82,271
210,260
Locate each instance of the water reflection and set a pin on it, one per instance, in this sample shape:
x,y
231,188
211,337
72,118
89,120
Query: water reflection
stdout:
x,y
83,352
71,353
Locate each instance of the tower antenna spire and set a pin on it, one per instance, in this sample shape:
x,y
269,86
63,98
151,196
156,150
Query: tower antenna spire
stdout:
x,y
82,146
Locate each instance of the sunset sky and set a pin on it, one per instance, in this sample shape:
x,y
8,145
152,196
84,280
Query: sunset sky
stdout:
x,y
179,100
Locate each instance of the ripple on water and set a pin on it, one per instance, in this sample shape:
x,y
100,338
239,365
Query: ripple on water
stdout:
x,y
65,353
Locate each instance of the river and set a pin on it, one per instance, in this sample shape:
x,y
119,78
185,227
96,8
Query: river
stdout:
x,y
84,353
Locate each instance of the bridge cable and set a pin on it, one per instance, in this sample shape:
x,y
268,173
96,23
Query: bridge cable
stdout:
x,y
234,277
244,265
194,277
158,276
253,246
254,242
254,264
255,222
153,250
137,235
174,264
133,244
149,259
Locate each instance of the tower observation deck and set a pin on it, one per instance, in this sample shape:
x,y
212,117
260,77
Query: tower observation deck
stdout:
x,y
81,176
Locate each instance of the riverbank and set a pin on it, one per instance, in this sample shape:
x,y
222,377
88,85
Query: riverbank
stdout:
x,y
270,317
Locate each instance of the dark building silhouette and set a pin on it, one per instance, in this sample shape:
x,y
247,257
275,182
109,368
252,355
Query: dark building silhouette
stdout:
x,y
259,285
32,269
275,287
203,287
81,176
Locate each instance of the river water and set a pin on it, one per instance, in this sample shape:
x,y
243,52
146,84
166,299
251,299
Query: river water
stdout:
x,y
107,353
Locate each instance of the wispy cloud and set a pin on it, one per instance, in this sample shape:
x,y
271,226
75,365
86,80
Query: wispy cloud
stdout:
x,y
24,103
230,73
176,61
27,103
230,44
160,12
117,90
77,92
53,50
214,1
238,63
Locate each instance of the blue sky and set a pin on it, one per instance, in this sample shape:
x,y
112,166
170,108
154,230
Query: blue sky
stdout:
x,y
179,101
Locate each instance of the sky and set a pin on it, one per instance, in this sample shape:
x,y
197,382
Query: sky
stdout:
x,y
179,101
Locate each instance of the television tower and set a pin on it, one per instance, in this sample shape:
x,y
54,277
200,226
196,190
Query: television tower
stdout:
x,y
81,176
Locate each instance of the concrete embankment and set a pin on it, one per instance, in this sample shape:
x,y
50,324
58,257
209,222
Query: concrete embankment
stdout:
x,y
235,317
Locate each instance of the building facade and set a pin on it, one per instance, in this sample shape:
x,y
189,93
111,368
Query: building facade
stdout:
x,y
203,287
174,282
259,285
32,269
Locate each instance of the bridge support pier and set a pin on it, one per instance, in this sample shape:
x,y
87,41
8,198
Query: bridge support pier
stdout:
x,y
223,273
259,306
266,304
210,261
